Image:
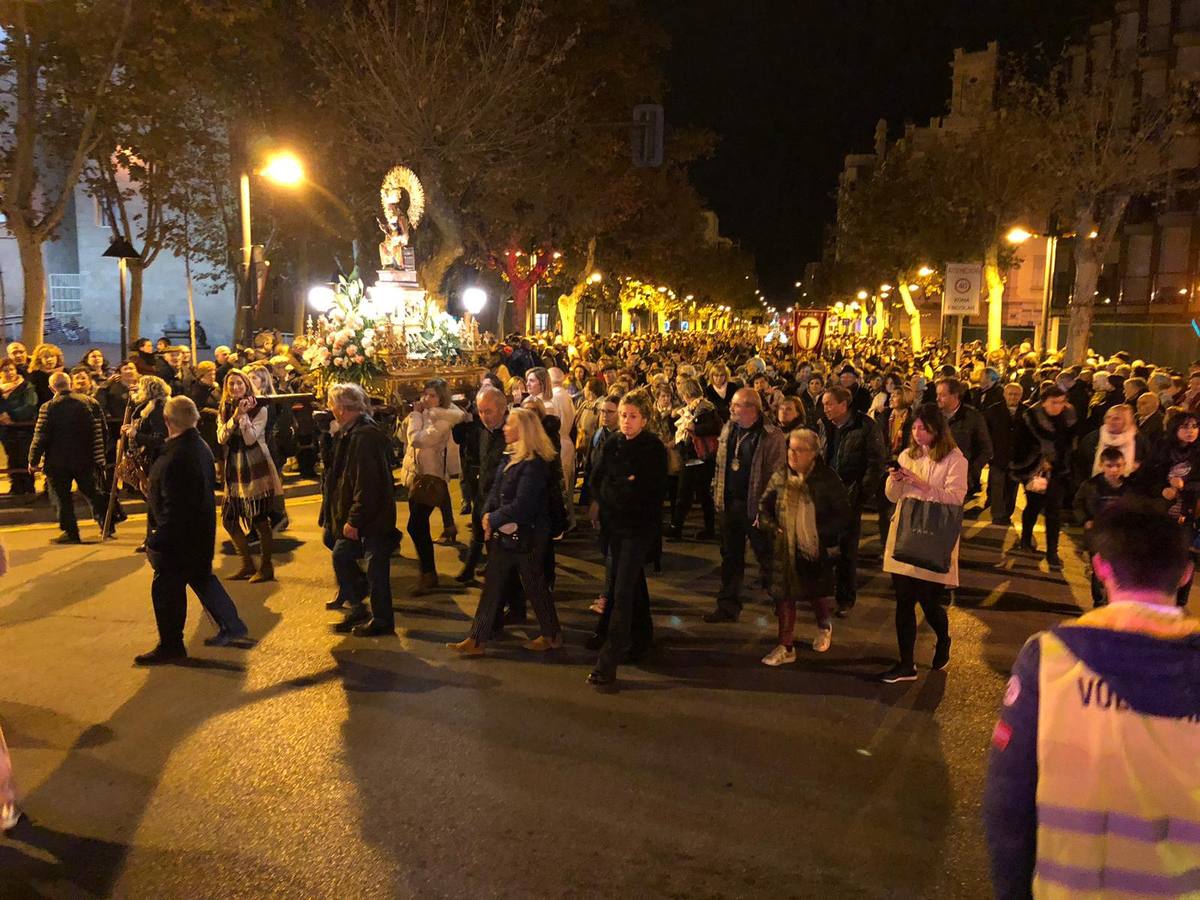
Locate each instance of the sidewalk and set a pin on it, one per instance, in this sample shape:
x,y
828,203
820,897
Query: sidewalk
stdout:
x,y
18,511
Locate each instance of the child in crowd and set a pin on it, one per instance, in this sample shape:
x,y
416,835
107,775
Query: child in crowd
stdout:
x,y
1093,496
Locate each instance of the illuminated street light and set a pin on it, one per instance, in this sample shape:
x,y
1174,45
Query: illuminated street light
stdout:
x,y
1018,235
595,278
913,288
863,295
1093,234
474,299
321,297
839,306
798,283
854,307
885,288
690,297
284,168
924,271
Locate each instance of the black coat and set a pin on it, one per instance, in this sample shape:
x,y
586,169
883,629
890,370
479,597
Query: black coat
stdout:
x,y
722,403
630,482
971,434
857,457
1003,428
183,508
358,490
481,451
520,494
69,435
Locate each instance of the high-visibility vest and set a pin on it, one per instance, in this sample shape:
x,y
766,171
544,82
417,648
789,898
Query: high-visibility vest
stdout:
x,y
1118,795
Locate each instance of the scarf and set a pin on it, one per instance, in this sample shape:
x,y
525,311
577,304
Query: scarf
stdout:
x,y
1126,442
800,517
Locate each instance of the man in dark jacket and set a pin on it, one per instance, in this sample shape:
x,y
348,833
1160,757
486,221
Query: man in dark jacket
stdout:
x,y
989,390
481,447
69,436
358,512
854,450
860,397
182,500
1003,423
1091,786
969,429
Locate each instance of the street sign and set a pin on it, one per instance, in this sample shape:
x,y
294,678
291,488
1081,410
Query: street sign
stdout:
x,y
871,321
960,296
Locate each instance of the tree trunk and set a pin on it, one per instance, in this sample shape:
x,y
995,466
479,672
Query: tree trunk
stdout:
x,y
33,272
914,314
137,278
626,319
995,290
520,304
568,307
450,245
1089,252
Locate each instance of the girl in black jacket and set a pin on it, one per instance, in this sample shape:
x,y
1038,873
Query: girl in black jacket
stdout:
x,y
629,480
516,522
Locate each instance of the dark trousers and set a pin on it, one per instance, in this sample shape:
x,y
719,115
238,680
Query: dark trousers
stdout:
x,y
168,590
59,483
696,481
530,567
628,599
1099,596
1002,493
1049,503
353,586
928,594
16,449
418,530
845,567
736,528
447,509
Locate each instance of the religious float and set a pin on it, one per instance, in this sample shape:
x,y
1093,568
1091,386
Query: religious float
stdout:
x,y
391,337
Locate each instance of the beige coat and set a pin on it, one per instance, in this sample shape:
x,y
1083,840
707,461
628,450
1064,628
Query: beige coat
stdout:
x,y
947,484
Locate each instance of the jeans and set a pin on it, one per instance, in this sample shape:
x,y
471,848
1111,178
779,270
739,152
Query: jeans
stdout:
x,y
418,530
353,586
169,594
628,600
530,566
696,481
736,528
909,593
59,484
845,567
1051,504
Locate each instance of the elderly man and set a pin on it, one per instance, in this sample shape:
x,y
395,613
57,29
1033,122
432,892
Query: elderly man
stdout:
x,y
481,446
180,546
358,512
854,450
1149,417
20,357
69,436
749,451
989,390
224,363
1004,424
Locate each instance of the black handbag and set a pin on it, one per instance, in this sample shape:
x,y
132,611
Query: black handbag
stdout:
x,y
514,542
926,534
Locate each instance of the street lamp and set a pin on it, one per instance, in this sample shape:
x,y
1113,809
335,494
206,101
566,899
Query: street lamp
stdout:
x,y
595,278
1018,235
285,169
863,295
924,271
321,298
122,251
474,299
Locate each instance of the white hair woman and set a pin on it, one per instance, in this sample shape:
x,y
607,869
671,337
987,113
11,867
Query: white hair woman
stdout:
x,y
251,479
516,523
807,509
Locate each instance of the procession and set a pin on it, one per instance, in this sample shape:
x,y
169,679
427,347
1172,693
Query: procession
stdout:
x,y
518,513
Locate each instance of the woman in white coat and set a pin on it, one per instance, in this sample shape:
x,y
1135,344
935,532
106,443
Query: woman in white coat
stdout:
x,y
429,425
931,468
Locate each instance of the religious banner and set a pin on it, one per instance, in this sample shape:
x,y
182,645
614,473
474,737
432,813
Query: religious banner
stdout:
x,y
808,330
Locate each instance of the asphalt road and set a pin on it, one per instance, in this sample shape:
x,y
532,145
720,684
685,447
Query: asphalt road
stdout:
x,y
318,765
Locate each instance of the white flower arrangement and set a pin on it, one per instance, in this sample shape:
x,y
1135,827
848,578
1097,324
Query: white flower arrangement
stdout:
x,y
345,344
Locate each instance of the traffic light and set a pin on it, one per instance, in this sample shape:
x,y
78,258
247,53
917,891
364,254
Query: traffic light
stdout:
x,y
647,135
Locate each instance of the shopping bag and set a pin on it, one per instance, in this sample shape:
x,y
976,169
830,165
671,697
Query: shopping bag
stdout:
x,y
926,533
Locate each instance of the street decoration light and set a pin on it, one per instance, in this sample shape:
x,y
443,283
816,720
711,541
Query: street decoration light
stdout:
x,y
474,299
321,298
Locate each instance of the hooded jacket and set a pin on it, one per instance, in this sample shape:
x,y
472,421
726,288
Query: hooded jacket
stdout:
x,y
1093,786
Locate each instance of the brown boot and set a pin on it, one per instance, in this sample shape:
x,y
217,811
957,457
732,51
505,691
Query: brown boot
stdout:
x,y
243,548
468,647
426,584
266,571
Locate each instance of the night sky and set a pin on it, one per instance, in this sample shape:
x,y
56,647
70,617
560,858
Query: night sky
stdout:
x,y
792,86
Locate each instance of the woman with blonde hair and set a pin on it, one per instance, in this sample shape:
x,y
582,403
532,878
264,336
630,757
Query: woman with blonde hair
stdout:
x,y
515,388
145,437
251,479
516,524
45,360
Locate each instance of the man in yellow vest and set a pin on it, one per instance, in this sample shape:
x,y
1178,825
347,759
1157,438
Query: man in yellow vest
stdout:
x,y
1093,785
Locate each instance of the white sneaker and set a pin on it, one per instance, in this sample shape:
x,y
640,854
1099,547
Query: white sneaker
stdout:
x,y
781,655
9,816
823,639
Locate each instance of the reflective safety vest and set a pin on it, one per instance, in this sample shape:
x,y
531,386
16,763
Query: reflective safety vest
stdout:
x,y
1118,795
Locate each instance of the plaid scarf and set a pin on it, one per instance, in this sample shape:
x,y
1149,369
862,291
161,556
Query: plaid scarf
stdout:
x,y
251,480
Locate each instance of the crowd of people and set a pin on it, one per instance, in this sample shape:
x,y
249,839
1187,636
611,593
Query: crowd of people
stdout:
x,y
783,452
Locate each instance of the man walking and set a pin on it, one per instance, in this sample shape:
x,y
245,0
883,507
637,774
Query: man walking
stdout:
x,y
1004,424
180,547
1092,780
69,436
854,449
749,451
969,429
481,445
358,512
